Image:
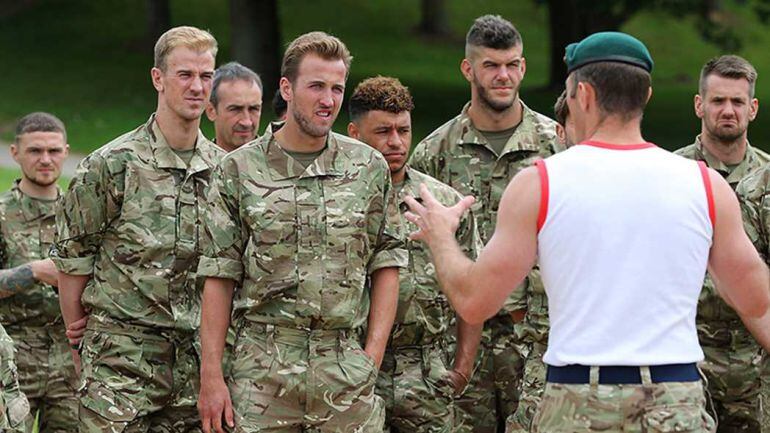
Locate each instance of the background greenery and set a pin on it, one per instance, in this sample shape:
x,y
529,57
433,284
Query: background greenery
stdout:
x,y
86,61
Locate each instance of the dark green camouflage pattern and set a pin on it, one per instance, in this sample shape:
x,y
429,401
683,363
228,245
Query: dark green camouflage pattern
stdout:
x,y
657,407
14,407
299,242
32,317
413,378
132,217
754,195
732,357
459,155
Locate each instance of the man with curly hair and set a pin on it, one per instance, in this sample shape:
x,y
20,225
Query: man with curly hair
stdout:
x,y
415,380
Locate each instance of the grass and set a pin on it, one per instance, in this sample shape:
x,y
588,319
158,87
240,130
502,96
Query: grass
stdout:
x,y
87,61
9,175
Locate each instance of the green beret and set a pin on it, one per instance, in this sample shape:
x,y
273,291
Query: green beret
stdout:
x,y
608,47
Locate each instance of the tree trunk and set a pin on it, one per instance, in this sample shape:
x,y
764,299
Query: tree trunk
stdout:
x,y
433,18
256,40
158,20
563,30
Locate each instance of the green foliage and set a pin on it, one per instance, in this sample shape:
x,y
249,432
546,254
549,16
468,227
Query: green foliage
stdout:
x,y
89,62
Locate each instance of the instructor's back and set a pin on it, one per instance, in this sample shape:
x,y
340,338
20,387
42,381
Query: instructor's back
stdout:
x,y
624,232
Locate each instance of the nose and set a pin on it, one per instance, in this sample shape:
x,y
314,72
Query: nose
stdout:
x,y
45,158
197,84
245,119
327,99
503,74
394,139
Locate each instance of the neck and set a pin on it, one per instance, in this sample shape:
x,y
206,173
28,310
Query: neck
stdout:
x,y
614,130
294,139
398,176
34,190
487,119
180,134
227,147
729,152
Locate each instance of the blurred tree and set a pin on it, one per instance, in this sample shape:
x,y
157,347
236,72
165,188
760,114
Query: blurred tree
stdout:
x,y
256,40
572,20
434,21
158,20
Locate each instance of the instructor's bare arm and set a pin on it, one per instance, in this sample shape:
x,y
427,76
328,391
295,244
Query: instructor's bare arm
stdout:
x,y
478,289
382,312
740,274
214,401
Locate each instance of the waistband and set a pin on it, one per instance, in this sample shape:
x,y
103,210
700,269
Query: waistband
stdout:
x,y
106,324
615,375
298,335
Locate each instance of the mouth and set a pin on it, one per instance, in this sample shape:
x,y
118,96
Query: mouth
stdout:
x,y
324,114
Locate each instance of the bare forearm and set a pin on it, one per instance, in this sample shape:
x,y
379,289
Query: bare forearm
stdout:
x,y
382,311
215,320
70,291
453,270
16,280
468,338
759,327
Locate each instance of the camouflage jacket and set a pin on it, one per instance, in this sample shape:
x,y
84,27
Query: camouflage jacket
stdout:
x,y
132,218
300,242
713,313
27,229
754,194
14,406
423,311
458,154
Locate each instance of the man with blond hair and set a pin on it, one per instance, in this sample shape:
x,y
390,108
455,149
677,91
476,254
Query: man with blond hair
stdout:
x,y
417,381
127,246
301,220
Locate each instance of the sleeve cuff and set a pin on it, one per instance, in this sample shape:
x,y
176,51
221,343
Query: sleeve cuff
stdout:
x,y
75,265
220,268
395,258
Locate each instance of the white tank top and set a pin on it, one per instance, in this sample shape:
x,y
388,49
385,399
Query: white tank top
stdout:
x,y
624,239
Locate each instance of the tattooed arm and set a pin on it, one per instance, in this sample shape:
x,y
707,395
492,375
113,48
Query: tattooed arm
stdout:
x,y
24,277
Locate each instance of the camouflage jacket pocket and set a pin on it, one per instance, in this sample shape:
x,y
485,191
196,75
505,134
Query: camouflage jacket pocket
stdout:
x,y
17,409
677,418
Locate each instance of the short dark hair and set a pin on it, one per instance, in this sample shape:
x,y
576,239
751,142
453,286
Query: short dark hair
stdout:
x,y
279,104
621,89
379,93
491,31
728,66
40,122
231,72
561,109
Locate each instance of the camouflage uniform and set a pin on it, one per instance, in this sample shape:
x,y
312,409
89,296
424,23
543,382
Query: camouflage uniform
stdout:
x,y
733,357
300,243
754,194
533,332
32,318
646,408
459,155
14,407
132,219
413,377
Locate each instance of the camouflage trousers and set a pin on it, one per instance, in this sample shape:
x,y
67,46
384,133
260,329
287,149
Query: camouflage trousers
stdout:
x,y
138,379
532,387
732,371
290,380
764,394
493,394
47,377
645,408
14,407
418,396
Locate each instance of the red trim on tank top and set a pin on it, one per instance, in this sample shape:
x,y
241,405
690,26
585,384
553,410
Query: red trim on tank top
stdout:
x,y
611,146
704,172
543,212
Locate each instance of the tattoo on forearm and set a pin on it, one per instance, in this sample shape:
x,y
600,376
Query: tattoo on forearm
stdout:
x,y
16,279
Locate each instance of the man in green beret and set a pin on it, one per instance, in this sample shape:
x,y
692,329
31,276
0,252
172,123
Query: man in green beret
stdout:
x,y
726,105
599,251
477,153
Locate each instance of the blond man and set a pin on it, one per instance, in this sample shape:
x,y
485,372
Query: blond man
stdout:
x,y
127,246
